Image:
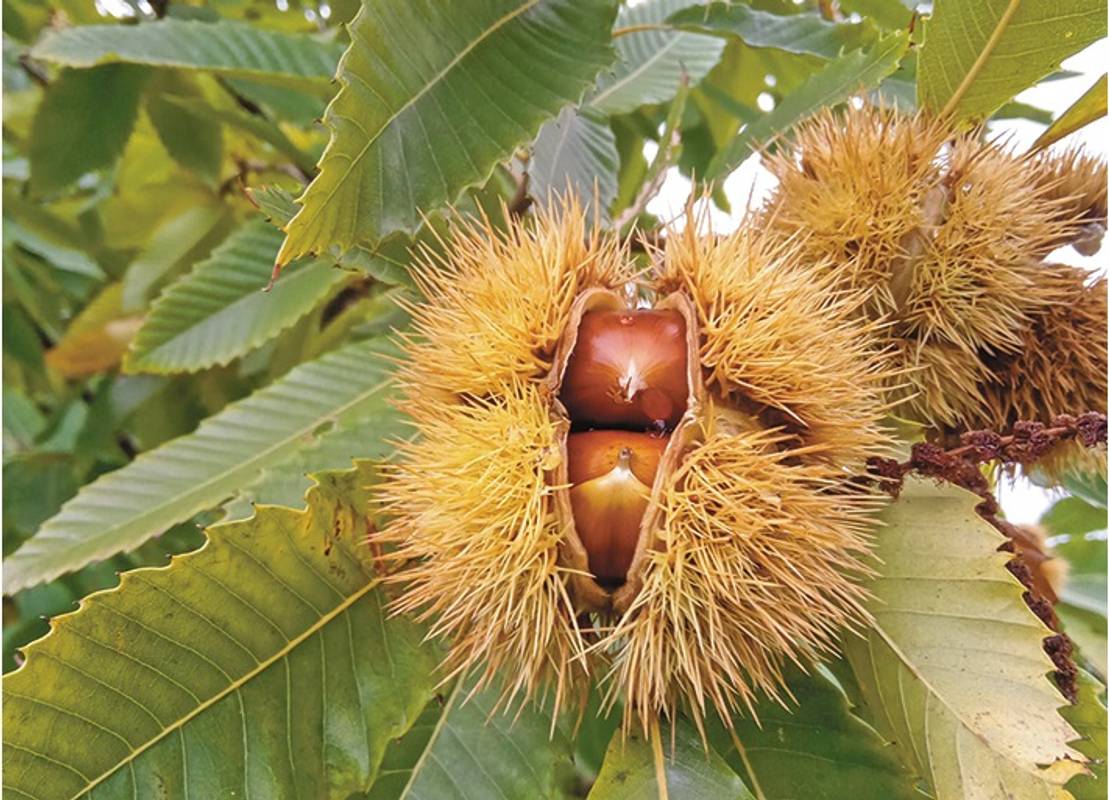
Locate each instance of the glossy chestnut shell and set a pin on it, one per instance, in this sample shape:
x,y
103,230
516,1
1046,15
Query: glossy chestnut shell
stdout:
x,y
627,386
628,370
612,472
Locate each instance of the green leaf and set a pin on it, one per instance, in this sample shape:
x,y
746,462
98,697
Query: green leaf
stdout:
x,y
37,605
262,665
893,14
23,421
85,119
1086,555
278,205
817,748
1089,107
1088,717
652,61
409,139
122,509
953,669
1017,110
403,753
36,485
387,262
730,94
575,151
1078,529
807,33
1090,486
257,126
194,140
473,752
226,48
166,249
300,108
629,770
633,164
979,53
1074,516
841,78
1089,631
36,230
285,483
219,311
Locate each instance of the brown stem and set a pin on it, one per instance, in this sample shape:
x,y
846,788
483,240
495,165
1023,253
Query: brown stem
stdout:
x,y
1026,443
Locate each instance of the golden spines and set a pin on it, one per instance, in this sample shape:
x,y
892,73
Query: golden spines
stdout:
x,y
943,234
700,542
782,340
472,521
1060,364
758,565
497,301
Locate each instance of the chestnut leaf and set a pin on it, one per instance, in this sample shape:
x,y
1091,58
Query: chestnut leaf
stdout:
x,y
433,97
262,665
953,670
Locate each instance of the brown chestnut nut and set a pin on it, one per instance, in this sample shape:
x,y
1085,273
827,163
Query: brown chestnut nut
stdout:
x,y
628,369
612,473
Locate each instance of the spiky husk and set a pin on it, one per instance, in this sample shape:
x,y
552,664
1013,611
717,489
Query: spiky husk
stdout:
x,y
1061,364
762,550
1060,368
761,538
760,522
497,301
472,521
936,382
852,192
975,282
1077,182
781,342
939,235
942,235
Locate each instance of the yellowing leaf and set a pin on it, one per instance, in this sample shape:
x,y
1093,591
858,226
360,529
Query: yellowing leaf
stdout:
x,y
97,338
953,668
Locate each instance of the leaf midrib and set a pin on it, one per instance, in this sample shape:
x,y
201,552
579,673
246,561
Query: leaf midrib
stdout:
x,y
353,163
635,73
933,692
263,665
440,724
984,56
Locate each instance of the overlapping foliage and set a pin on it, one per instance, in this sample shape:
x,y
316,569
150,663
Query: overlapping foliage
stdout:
x,y
159,159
